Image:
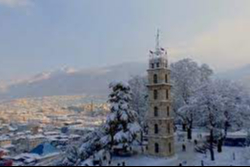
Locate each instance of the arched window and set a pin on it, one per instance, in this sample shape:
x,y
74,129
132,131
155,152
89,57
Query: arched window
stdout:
x,y
167,94
168,111
169,129
155,94
156,112
158,65
166,78
170,148
155,78
156,129
157,148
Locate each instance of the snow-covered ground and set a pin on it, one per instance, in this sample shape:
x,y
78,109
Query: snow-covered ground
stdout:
x,y
231,156
187,159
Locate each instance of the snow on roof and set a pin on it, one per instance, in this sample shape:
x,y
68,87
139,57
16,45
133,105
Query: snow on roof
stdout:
x,y
9,146
44,149
3,150
12,128
51,133
35,136
27,156
74,136
239,134
21,133
4,137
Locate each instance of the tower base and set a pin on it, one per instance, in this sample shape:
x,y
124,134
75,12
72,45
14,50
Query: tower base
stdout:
x,y
161,147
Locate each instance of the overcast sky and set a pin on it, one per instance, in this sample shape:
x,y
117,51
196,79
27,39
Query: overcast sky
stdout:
x,y
40,35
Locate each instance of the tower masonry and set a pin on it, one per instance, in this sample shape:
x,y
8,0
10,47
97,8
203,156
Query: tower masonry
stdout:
x,y
160,118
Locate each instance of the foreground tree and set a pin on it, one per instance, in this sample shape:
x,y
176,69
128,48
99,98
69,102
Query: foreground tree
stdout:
x,y
121,129
187,76
122,125
89,145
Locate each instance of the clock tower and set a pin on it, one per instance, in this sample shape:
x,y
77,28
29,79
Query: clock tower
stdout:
x,y
160,118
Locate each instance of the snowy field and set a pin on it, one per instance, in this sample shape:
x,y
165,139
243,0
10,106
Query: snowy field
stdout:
x,y
231,156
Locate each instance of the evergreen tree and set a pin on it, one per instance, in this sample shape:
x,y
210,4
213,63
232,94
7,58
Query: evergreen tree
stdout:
x,y
122,125
72,158
121,129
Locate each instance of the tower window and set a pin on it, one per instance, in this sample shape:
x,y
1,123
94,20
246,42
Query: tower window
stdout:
x,y
158,65
155,94
155,78
170,148
157,149
169,129
168,111
156,112
156,129
166,78
152,65
167,94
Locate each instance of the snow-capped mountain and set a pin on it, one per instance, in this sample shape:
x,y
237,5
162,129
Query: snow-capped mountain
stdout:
x,y
50,74
68,81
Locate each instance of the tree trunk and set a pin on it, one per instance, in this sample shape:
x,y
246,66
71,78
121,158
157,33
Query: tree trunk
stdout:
x,y
184,126
212,144
220,144
142,137
189,133
227,125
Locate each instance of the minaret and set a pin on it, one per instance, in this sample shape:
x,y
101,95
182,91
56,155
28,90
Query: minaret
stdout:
x,y
160,120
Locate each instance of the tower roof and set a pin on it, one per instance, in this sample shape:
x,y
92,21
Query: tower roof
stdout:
x,y
159,51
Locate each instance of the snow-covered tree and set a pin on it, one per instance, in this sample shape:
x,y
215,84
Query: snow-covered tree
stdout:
x,y
89,145
122,124
207,104
72,158
187,76
218,105
121,129
139,101
235,109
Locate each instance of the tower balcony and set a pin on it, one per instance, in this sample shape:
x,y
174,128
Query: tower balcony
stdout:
x,y
158,62
163,84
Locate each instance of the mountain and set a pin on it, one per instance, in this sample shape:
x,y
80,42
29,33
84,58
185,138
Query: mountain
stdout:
x,y
69,81
241,74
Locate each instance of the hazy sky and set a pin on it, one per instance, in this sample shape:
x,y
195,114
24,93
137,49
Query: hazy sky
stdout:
x,y
40,35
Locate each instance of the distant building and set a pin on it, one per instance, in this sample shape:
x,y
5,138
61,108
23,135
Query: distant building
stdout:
x,y
5,141
34,141
160,120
